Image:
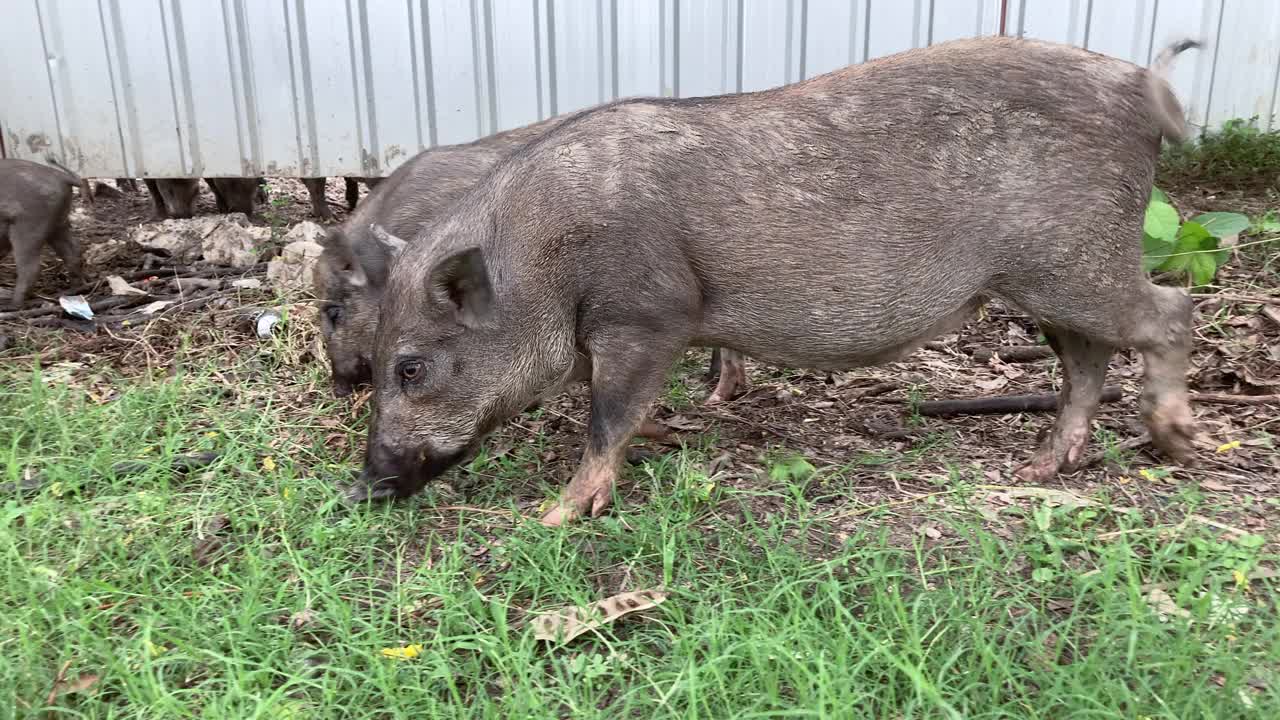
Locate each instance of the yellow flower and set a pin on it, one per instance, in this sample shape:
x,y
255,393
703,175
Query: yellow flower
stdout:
x,y
1242,580
156,650
1228,447
268,464
408,652
1146,474
211,435
288,493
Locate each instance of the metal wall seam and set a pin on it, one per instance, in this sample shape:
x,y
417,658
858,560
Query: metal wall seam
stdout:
x,y
314,87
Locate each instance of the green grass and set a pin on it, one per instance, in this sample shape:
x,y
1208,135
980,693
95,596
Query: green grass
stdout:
x,y
1237,156
785,601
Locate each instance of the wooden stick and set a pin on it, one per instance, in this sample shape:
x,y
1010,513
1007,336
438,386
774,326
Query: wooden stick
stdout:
x,y
1015,353
1227,399
1256,299
1003,404
108,304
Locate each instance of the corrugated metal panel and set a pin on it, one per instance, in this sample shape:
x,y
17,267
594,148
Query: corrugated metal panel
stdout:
x,y
169,88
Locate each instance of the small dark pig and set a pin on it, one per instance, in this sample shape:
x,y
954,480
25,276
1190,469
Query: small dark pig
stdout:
x,y
235,194
835,223
35,210
173,197
353,269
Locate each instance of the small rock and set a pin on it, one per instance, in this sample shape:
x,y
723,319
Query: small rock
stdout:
x,y
105,254
305,230
294,270
246,284
230,243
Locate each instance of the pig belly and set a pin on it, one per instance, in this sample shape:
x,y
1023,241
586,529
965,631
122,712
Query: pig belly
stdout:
x,y
827,335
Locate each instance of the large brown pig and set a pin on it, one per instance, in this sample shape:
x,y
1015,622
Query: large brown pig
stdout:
x,y
837,222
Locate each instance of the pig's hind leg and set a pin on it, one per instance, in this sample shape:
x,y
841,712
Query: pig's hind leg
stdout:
x,y
69,251
629,371
27,240
1088,319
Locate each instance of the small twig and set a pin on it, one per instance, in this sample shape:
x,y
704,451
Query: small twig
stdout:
x,y
1255,299
1228,399
108,304
1003,404
58,680
483,511
1014,353
874,390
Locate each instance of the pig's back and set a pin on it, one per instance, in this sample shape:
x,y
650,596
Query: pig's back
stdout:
x,y
30,188
875,196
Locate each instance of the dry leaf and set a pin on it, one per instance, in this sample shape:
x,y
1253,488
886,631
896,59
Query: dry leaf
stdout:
x,y
1048,495
301,619
568,623
210,540
1164,606
1214,485
682,422
63,686
155,307
994,383
930,531
120,287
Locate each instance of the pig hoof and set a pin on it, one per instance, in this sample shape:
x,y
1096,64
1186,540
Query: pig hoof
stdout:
x,y
1173,430
559,515
573,508
715,399
360,493
1038,470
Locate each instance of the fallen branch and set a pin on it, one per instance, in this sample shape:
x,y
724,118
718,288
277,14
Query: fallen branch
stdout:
x,y
1014,353
873,390
172,272
1255,299
108,304
1003,404
1227,399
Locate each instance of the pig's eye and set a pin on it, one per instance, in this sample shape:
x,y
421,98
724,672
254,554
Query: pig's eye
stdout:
x,y
411,371
334,313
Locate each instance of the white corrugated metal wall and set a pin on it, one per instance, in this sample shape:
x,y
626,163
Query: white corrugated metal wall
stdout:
x,y
169,88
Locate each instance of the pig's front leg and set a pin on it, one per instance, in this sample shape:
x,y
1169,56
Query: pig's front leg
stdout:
x,y
629,371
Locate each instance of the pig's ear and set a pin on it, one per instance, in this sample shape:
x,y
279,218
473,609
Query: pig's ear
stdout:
x,y
392,244
342,259
459,284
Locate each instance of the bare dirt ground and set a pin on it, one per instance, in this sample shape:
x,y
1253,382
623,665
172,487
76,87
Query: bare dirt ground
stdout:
x,y
867,423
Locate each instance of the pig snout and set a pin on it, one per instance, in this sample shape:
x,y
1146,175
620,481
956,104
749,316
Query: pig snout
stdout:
x,y
393,471
347,376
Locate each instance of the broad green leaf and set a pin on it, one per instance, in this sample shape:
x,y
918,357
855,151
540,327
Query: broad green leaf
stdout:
x,y
1266,224
1154,252
1157,195
1191,238
1222,224
1161,221
1202,268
